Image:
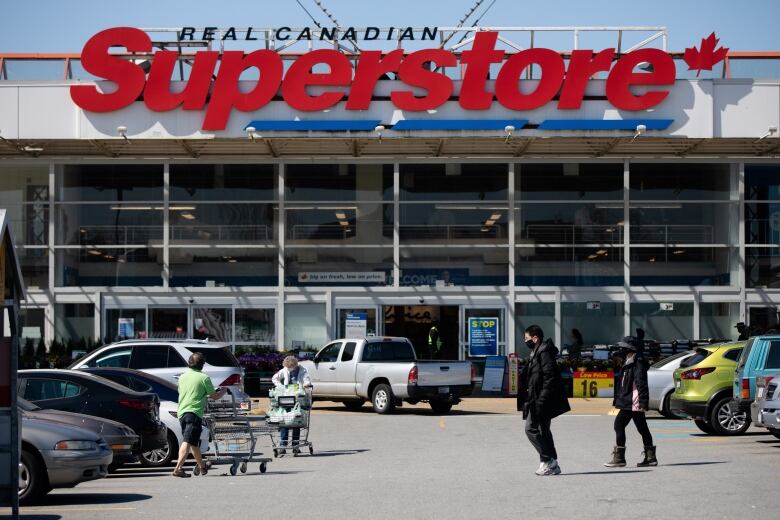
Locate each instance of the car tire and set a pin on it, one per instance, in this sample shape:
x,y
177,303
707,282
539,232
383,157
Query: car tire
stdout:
x,y
704,426
163,456
382,399
666,408
775,432
33,482
726,422
441,406
354,405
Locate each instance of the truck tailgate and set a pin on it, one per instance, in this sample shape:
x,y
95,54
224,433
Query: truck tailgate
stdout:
x,y
443,373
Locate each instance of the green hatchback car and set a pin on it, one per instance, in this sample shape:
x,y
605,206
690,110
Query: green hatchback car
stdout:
x,y
703,390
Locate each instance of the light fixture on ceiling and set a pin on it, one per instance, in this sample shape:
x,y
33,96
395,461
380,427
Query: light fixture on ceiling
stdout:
x,y
640,129
770,131
508,130
378,129
188,216
251,133
341,215
679,252
95,252
122,131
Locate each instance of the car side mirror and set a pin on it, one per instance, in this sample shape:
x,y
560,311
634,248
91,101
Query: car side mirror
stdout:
x,y
316,359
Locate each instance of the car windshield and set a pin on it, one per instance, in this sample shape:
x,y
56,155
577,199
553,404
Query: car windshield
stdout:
x,y
666,361
743,357
26,405
700,355
216,357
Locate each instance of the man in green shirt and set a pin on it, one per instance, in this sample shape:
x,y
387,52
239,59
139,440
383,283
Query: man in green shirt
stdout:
x,y
195,388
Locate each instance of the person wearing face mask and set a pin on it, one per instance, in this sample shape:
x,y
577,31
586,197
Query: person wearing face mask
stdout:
x,y
545,399
631,399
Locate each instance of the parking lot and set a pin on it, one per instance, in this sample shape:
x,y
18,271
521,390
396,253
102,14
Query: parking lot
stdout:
x,y
470,464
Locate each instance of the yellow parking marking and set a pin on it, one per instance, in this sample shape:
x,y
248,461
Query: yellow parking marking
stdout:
x,y
710,439
613,411
442,424
70,509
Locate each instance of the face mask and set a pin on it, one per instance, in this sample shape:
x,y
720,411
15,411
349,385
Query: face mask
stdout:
x,y
530,344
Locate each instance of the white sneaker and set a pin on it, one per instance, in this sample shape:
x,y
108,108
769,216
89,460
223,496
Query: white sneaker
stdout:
x,y
549,468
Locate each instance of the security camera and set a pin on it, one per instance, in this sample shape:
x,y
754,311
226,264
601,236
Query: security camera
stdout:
x,y
192,300
122,131
379,129
640,129
508,129
770,131
250,132
422,300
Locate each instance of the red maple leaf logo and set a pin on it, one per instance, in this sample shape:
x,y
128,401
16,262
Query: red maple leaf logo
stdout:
x,y
705,57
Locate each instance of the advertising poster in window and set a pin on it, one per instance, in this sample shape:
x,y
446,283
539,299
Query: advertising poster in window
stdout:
x,y
127,327
356,325
483,337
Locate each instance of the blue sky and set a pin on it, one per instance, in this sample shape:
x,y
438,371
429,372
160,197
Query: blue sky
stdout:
x,y
64,26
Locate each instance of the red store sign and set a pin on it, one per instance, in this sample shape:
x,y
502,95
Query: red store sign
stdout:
x,y
356,86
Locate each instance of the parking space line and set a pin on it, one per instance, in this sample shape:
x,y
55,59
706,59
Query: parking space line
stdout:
x,y
71,509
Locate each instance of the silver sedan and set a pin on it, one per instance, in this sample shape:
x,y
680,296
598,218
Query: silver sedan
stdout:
x,y
660,382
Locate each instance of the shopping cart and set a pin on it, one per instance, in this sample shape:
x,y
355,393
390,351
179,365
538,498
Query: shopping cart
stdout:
x,y
234,434
290,408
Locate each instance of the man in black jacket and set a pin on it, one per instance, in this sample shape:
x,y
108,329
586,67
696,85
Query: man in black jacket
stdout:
x,y
546,399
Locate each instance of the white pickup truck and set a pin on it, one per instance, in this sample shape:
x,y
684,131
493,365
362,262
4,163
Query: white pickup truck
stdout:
x,y
386,371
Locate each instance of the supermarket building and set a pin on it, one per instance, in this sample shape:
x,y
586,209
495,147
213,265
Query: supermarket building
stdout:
x,y
292,212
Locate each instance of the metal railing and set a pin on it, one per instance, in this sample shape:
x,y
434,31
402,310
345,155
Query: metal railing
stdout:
x,y
143,234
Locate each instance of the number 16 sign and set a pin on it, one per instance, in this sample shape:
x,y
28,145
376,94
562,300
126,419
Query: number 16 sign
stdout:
x,y
594,384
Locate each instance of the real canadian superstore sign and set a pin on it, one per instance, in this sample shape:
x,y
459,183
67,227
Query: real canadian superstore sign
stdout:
x,y
218,94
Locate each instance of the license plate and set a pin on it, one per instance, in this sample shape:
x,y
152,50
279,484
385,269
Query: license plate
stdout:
x,y
760,392
444,389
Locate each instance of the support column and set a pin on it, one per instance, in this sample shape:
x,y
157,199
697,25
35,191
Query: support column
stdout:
x,y
626,250
166,264
280,230
396,225
49,329
512,319
741,275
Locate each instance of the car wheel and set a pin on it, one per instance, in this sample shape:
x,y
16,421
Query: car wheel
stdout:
x,y
666,407
33,483
162,456
775,432
704,426
353,405
382,398
725,421
441,406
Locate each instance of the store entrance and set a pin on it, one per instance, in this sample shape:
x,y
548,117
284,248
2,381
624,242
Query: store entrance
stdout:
x,y
415,322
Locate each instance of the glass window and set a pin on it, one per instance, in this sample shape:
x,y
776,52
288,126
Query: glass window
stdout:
x,y
598,326
527,314
762,267
149,356
571,223
42,389
115,358
257,326
698,357
212,324
466,182
216,357
733,354
666,361
678,223
305,325
205,224
487,266
223,267
683,266
349,351
330,353
762,223
108,267
773,356
74,321
580,266
453,223
388,351
343,266
663,324
109,224
210,182
683,181
124,324
32,322
34,264
370,314
717,320
570,181
111,182
168,322
24,194
359,223
762,182
338,182
175,360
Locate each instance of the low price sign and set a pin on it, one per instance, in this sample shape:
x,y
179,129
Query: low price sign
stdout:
x,y
594,384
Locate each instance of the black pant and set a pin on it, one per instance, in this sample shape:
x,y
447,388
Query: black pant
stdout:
x,y
621,421
537,428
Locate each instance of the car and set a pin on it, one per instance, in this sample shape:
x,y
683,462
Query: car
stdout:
x,y
80,392
703,390
167,359
169,397
765,409
761,357
57,455
660,382
121,439
386,371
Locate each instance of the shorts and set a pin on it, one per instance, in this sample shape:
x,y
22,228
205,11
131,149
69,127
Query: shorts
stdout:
x,y
191,428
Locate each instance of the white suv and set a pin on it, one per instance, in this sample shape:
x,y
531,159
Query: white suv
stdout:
x,y
167,359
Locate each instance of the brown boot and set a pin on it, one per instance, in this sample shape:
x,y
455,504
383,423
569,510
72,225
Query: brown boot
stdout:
x,y
649,459
618,458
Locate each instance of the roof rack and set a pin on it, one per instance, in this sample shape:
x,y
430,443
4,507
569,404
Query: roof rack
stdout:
x,y
166,340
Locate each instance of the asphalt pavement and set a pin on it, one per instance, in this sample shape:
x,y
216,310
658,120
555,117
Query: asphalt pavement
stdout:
x,y
474,463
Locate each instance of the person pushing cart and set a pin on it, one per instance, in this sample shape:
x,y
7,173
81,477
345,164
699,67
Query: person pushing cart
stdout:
x,y
291,374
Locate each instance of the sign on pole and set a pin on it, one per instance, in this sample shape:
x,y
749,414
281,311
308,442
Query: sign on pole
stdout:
x,y
493,379
483,337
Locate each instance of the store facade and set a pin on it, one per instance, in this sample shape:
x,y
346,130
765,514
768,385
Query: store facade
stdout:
x,y
140,223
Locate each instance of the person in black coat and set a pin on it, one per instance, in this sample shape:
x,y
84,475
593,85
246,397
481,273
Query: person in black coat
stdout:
x,y
631,399
545,399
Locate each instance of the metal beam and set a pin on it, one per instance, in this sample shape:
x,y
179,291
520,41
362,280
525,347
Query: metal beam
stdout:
x,y
523,147
692,147
103,148
440,147
189,149
271,147
611,144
